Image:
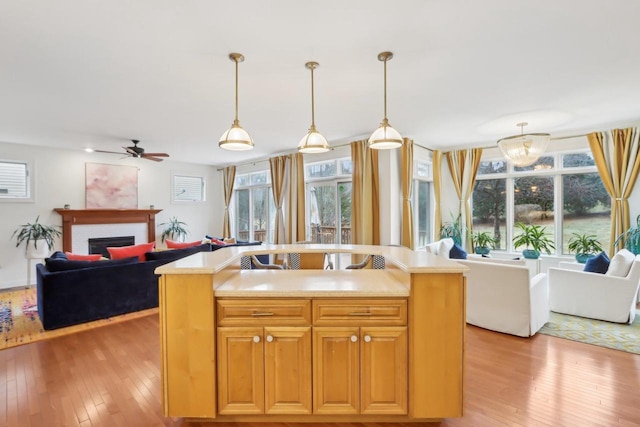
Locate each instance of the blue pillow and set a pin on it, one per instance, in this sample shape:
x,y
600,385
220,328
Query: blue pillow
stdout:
x,y
597,264
457,252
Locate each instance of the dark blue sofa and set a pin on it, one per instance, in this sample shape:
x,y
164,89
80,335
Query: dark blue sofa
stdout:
x,y
100,289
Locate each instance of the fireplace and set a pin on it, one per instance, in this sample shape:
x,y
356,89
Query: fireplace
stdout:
x,y
79,225
99,245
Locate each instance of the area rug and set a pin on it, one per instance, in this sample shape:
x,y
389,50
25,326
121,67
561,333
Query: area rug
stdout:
x,y
20,323
617,336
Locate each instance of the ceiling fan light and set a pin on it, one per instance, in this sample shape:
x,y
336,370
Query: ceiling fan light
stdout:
x,y
524,149
313,142
236,139
385,137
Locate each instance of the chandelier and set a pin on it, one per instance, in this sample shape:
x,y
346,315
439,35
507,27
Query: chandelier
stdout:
x,y
524,149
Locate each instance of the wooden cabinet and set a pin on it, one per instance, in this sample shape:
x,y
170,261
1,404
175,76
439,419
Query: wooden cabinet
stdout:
x,y
360,369
264,369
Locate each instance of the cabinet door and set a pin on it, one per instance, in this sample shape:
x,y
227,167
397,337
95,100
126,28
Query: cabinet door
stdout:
x,y
336,373
240,370
383,370
287,370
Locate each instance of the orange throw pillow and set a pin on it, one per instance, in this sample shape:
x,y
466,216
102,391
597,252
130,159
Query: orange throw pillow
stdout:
x,y
81,257
171,244
120,252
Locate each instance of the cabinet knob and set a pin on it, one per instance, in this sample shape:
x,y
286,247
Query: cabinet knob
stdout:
x,y
354,338
256,338
269,338
367,338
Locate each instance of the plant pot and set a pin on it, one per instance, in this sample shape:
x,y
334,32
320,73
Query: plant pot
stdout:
x,y
41,251
482,250
531,254
583,258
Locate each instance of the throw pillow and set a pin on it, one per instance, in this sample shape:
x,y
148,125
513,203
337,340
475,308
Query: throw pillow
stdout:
x,y
58,255
597,264
54,265
445,247
120,252
175,254
230,240
171,244
621,263
82,257
457,252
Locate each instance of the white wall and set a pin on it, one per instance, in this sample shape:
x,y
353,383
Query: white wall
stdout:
x,y
60,180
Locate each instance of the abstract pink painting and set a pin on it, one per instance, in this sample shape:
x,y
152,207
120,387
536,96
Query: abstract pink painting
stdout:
x,y
111,186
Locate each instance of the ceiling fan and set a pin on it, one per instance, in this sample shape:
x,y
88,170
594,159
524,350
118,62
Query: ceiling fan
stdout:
x,y
135,151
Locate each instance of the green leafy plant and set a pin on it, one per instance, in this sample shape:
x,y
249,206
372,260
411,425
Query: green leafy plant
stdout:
x,y
533,237
584,244
454,229
32,232
631,238
483,239
173,229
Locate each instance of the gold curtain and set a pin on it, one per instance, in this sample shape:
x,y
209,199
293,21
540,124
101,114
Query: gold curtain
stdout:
x,y
407,189
228,178
278,170
365,209
617,157
463,166
437,188
295,199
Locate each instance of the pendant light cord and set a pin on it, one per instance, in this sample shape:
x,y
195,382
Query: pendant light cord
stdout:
x,y
313,102
385,88
236,119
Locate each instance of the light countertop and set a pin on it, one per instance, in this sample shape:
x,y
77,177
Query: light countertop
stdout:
x,y
405,259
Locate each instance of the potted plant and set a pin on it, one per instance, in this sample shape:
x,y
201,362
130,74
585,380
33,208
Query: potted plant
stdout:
x,y
534,238
174,229
585,246
37,238
453,229
483,242
631,238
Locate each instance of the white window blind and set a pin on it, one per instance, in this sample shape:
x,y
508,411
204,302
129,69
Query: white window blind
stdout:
x,y
188,188
14,180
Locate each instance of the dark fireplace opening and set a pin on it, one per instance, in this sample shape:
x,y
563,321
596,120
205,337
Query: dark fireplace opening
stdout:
x,y
99,245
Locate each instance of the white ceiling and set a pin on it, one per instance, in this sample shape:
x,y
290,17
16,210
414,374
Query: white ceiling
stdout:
x,y
95,73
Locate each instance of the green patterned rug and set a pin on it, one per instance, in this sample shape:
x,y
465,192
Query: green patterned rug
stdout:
x,y
597,332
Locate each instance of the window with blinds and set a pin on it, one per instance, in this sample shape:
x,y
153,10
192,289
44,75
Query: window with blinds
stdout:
x,y
14,180
188,188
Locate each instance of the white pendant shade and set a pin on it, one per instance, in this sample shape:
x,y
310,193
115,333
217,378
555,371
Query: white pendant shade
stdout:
x,y
313,142
385,137
524,149
236,139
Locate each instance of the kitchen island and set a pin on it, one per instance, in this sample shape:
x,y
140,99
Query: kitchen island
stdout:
x,y
312,345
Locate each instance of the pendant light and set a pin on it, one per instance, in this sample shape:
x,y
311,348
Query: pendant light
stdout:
x,y
385,136
313,141
236,138
524,149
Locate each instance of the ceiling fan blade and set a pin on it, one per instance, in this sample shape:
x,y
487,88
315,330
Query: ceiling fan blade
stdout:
x,y
155,159
156,154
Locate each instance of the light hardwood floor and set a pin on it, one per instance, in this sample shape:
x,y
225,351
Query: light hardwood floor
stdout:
x,y
110,376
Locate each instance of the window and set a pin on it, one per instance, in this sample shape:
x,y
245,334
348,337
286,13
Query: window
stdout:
x,y
16,183
422,173
187,188
254,207
561,191
328,201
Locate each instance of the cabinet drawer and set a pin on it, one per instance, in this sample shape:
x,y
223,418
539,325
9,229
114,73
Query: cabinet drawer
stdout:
x,y
343,312
240,312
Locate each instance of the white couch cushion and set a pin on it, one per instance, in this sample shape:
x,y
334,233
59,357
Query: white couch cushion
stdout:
x,y
445,247
621,263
